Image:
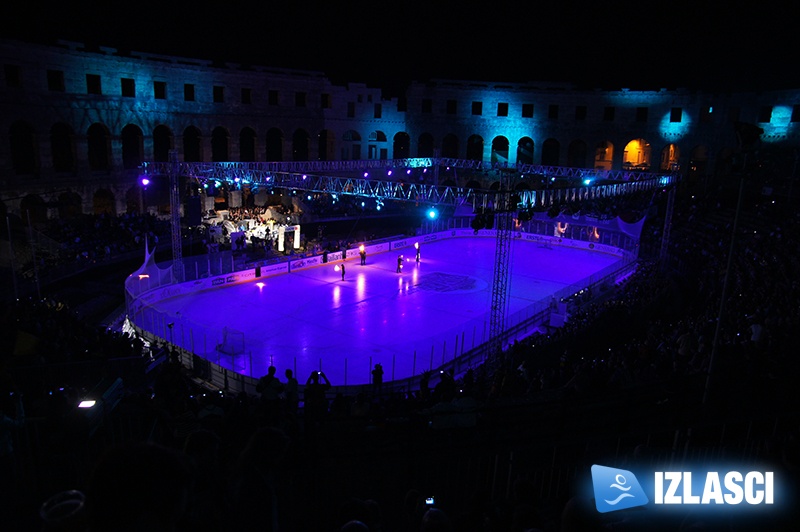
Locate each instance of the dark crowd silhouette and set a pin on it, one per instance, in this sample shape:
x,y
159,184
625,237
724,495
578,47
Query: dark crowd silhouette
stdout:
x,y
503,447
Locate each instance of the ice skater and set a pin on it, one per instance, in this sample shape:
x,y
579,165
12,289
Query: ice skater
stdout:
x,y
416,245
343,271
363,253
400,264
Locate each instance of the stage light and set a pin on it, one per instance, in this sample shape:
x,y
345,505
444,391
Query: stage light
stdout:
x,y
87,403
144,181
366,174
432,213
336,268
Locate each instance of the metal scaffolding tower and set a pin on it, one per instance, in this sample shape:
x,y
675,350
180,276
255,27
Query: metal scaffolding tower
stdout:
x,y
504,220
662,255
173,172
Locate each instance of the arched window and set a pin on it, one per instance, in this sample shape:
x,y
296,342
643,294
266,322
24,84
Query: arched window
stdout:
x,y
670,157
636,155
132,146
62,146
475,148
103,202
450,146
351,150
24,155
247,145
69,205
425,145
162,143
499,150
219,145
274,145
99,145
192,147
525,151
326,145
576,154
603,155
401,146
550,149
33,208
300,142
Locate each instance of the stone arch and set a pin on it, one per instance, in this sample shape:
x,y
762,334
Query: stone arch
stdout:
x,y
550,152
401,145
500,146
163,142
377,136
450,146
33,208
247,145
62,147
603,155
220,145
70,205
475,148
274,140
636,155
425,145
576,154
98,142
132,146
351,149
24,149
301,141
103,202
326,145
133,199
670,157
525,151
192,145
698,161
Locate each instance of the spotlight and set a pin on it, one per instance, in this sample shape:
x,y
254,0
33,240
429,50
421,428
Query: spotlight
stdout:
x,y
432,213
144,181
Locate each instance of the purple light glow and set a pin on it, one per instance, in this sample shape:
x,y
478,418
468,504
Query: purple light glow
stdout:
x,y
378,313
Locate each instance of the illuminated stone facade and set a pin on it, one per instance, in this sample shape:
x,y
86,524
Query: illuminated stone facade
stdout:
x,y
79,122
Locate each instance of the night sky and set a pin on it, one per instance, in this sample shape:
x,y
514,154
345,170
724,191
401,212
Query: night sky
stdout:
x,y
704,45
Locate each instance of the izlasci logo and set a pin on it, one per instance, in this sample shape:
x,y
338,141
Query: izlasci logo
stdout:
x,y
616,489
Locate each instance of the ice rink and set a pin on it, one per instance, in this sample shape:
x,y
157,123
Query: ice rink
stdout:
x,y
432,311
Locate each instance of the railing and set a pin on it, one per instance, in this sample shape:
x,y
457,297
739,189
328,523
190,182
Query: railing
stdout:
x,y
454,350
